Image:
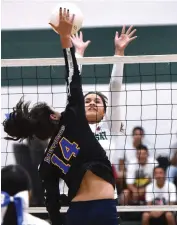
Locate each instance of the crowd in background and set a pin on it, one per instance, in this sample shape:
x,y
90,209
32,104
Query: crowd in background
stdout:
x,y
144,177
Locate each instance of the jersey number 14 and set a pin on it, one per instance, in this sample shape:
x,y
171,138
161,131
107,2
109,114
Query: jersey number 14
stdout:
x,y
68,150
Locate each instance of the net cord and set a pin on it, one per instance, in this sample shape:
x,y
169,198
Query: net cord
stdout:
x,y
90,60
164,208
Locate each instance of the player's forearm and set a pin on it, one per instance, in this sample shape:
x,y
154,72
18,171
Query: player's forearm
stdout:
x,y
117,72
73,74
78,55
73,79
114,112
116,78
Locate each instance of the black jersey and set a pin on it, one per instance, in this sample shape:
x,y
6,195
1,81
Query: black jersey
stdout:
x,y
73,149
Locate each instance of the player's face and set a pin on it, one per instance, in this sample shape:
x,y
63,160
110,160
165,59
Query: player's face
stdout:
x,y
94,108
159,174
142,156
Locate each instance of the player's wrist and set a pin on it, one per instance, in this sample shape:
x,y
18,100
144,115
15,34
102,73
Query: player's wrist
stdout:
x,y
119,52
65,41
80,52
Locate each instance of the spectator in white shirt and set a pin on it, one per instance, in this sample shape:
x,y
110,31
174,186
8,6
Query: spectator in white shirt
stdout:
x,y
15,193
139,175
160,192
122,157
129,152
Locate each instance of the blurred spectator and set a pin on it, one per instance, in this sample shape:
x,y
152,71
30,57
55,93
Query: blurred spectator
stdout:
x,y
163,160
16,188
160,192
166,157
29,156
129,153
37,148
139,175
172,169
122,157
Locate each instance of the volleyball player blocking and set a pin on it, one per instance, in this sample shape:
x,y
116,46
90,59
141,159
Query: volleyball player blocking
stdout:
x,y
103,114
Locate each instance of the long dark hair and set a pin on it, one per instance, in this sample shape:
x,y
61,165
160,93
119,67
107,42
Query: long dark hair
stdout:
x,y
14,179
24,123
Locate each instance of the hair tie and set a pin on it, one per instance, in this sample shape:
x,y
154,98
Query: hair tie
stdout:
x,y
18,202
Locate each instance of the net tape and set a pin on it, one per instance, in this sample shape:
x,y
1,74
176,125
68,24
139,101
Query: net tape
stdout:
x,y
89,60
157,208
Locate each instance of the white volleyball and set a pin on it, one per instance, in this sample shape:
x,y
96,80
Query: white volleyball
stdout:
x,y
73,9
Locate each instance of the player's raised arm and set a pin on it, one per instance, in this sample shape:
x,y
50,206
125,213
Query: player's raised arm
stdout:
x,y
73,78
113,113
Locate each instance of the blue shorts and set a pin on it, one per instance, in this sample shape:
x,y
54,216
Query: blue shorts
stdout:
x,y
96,212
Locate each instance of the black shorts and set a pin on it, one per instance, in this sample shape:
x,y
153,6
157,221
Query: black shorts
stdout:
x,y
159,221
96,212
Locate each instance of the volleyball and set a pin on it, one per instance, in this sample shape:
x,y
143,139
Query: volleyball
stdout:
x,y
73,9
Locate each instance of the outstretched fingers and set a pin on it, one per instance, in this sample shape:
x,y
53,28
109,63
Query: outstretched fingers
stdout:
x,y
60,13
133,38
123,30
116,35
81,36
132,33
65,13
72,18
129,30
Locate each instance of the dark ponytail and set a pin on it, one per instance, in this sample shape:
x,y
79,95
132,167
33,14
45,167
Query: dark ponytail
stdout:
x,y
18,124
14,179
10,217
23,123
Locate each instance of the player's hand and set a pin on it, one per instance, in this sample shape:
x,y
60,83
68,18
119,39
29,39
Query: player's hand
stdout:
x,y
64,27
121,41
79,44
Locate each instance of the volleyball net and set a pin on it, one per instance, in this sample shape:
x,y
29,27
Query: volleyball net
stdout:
x,y
148,100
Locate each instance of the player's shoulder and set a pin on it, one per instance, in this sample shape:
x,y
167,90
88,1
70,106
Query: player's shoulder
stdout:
x,y
32,220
